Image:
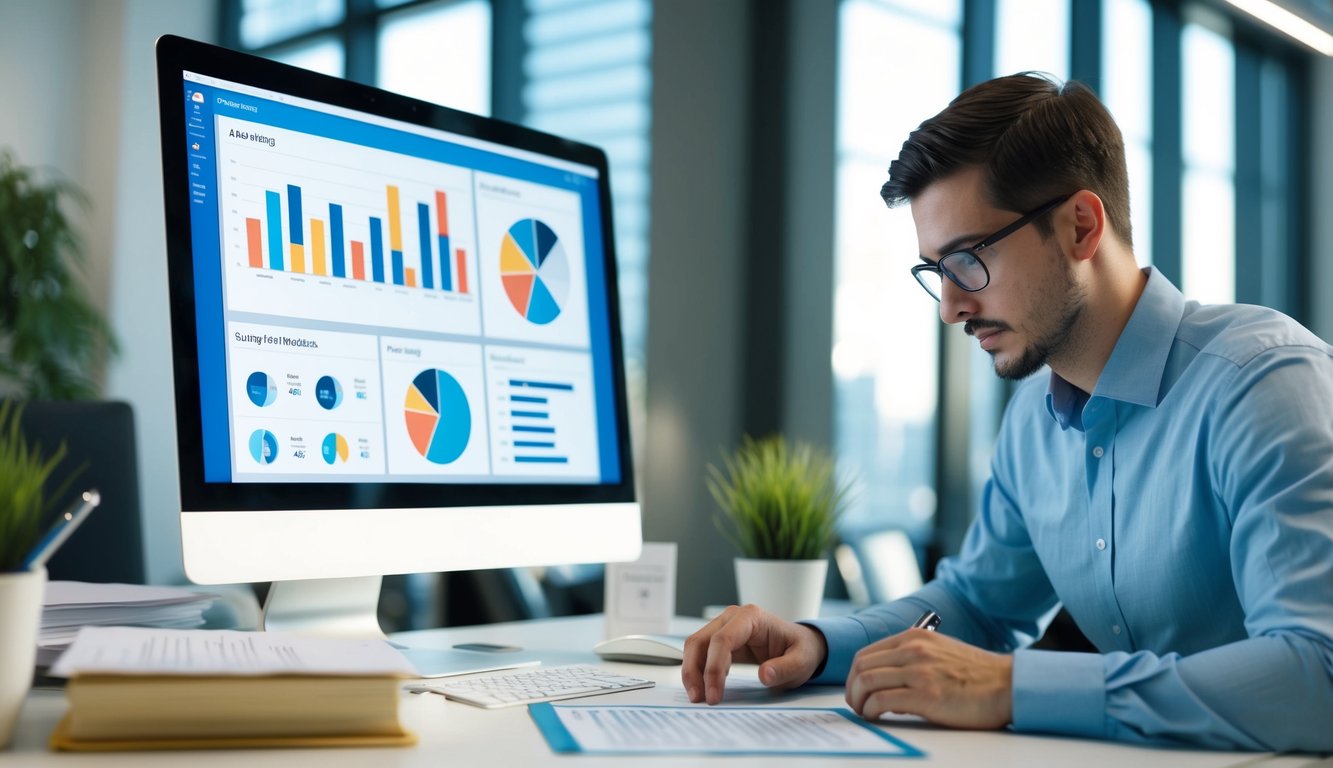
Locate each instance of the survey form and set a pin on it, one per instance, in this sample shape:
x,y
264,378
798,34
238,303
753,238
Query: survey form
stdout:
x,y
660,730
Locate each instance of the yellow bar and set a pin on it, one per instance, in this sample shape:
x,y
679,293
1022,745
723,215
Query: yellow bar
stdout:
x,y
410,276
395,226
317,246
298,257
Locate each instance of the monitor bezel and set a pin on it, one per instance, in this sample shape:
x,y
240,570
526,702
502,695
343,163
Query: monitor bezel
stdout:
x,y
175,57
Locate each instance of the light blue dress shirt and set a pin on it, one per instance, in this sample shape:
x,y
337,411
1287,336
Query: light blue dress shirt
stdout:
x,y
1182,514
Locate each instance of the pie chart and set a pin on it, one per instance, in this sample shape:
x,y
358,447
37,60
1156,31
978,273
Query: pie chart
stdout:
x,y
439,421
534,270
334,448
261,388
263,446
328,393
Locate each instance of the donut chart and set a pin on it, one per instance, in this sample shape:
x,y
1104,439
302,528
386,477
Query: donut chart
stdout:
x,y
534,270
439,419
263,446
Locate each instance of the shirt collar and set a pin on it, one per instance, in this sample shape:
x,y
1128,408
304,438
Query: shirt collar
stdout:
x,y
1133,374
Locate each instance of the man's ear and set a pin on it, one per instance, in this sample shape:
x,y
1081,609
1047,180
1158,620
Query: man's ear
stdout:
x,y
1089,224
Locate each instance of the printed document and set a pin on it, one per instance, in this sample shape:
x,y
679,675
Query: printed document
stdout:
x,y
647,730
198,652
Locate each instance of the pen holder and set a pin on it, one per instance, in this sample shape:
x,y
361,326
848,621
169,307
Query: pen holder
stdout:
x,y
20,614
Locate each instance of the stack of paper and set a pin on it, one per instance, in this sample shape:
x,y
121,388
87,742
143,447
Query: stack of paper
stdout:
x,y
140,688
69,605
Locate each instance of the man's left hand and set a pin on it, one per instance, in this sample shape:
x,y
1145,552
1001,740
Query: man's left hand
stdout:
x,y
935,676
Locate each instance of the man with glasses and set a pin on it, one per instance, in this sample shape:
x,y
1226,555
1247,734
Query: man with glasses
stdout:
x,y
1169,481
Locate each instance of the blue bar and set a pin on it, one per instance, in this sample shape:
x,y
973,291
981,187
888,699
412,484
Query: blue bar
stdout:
x,y
294,214
446,272
546,430
530,414
526,399
540,385
532,444
397,259
275,260
376,250
336,234
541,459
427,264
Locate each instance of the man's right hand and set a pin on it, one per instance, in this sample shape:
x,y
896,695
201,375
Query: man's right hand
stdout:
x,y
788,653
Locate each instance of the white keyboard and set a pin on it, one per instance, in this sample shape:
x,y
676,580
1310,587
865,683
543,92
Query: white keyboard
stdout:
x,y
531,686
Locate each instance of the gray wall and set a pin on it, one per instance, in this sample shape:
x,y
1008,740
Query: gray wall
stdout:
x,y
78,81
699,130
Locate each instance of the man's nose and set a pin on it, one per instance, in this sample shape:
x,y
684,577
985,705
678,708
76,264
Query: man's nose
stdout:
x,y
956,304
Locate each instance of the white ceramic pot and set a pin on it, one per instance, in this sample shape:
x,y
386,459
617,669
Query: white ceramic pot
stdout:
x,y
792,589
20,615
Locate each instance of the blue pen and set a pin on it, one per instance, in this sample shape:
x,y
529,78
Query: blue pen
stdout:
x,y
61,530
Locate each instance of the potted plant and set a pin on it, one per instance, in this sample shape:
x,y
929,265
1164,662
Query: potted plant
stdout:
x,y
24,505
779,504
52,336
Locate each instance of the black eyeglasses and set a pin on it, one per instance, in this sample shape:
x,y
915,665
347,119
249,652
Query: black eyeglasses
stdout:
x,y
964,267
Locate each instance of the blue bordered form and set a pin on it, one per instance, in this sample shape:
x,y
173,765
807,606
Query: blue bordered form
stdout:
x,y
562,741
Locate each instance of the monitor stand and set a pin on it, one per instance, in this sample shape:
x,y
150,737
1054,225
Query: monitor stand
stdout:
x,y
346,607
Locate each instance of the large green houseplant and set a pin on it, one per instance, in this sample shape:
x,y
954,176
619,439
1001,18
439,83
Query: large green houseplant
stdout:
x,y
52,336
779,503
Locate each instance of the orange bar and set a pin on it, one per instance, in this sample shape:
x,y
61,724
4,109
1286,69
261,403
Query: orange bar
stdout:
x,y
253,241
298,257
441,214
395,226
358,260
460,260
410,277
317,246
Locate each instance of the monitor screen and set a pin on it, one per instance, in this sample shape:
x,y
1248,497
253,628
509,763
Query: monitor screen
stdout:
x,y
395,334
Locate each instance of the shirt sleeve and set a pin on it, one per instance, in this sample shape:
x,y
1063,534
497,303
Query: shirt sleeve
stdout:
x,y
1271,443
994,594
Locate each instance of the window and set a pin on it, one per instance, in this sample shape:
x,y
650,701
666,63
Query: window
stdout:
x,y
885,349
1127,93
1208,250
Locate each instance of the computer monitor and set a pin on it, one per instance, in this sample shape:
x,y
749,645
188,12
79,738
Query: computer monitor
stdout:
x,y
395,338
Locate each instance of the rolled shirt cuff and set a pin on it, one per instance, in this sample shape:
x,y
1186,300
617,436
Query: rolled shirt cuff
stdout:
x,y
1057,692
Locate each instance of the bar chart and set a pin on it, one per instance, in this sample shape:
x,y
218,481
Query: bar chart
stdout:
x,y
323,229
331,252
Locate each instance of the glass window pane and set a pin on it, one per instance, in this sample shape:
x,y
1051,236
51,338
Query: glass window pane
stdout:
x,y
323,54
1208,254
440,52
267,21
884,324
1032,35
1208,228
1127,92
1209,111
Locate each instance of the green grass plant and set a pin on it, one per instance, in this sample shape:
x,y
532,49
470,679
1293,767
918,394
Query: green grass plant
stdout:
x,y
778,500
23,502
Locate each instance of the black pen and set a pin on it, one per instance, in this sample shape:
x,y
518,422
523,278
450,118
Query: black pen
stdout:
x,y
929,621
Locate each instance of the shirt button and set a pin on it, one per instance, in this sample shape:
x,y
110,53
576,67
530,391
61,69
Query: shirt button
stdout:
x,y
1115,629
1098,452
1101,543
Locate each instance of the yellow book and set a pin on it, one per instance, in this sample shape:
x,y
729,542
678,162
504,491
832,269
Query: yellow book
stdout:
x,y
311,692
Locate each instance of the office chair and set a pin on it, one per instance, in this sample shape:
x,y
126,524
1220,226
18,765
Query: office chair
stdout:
x,y
878,566
100,453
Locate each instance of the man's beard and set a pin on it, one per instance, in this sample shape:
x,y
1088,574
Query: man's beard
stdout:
x,y
1063,300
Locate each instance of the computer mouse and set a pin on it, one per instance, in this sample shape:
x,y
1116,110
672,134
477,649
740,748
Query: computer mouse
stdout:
x,y
643,649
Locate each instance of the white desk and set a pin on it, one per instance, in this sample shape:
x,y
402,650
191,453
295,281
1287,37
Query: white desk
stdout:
x,y
455,734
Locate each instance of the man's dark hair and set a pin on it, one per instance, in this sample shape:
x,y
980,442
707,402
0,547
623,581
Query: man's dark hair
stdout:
x,y
1035,138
